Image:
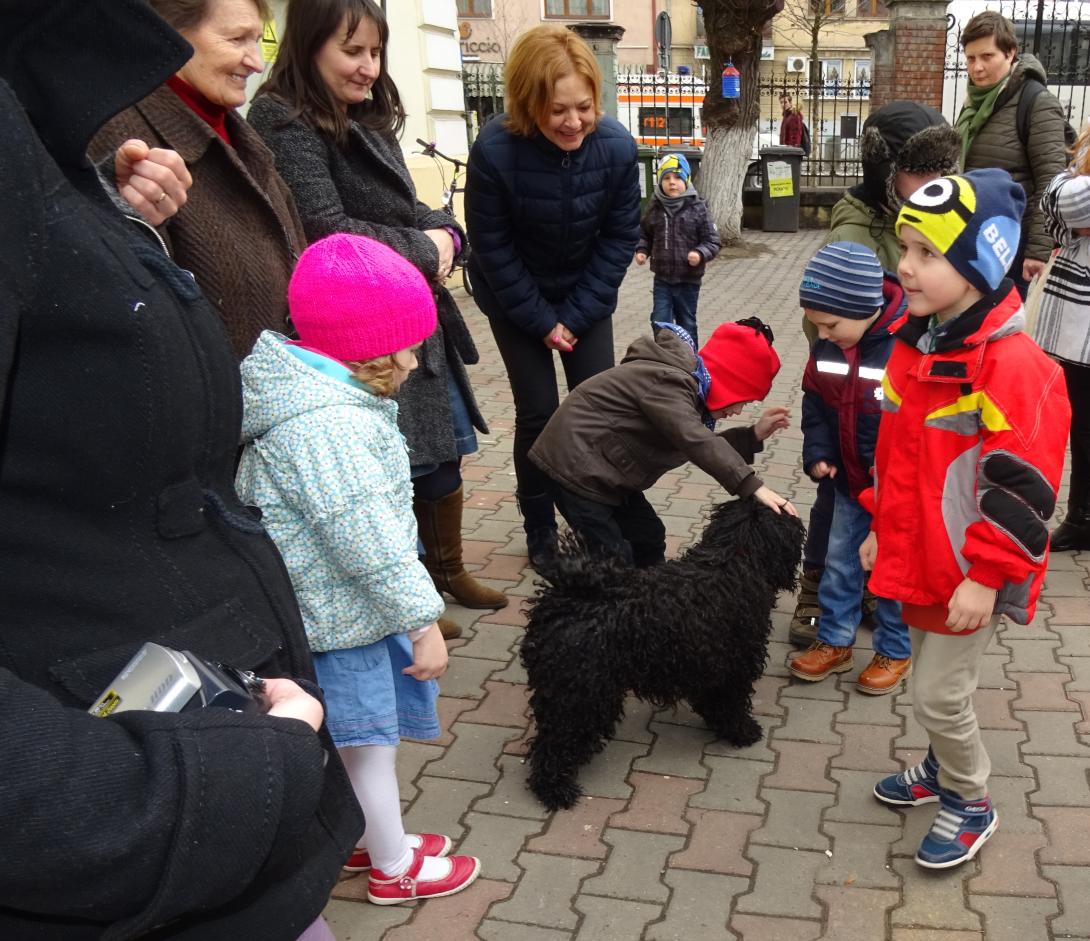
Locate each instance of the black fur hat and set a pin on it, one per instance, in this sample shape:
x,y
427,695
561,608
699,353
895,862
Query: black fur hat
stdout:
x,y
904,135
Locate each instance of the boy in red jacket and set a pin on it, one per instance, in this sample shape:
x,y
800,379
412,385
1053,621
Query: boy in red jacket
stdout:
x,y
969,458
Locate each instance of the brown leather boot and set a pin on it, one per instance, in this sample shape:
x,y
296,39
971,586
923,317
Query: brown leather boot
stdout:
x,y
449,629
821,660
440,525
883,675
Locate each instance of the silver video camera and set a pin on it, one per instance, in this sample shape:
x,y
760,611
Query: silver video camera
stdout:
x,y
159,679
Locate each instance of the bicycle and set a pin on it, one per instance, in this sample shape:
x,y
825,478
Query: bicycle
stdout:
x,y
447,205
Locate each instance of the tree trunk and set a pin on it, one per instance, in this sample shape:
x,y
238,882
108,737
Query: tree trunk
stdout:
x,y
734,32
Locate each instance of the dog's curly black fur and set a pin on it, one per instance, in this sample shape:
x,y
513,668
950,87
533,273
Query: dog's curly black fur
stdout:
x,y
692,629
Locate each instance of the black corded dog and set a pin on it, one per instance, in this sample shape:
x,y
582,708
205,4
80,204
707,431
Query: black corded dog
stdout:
x,y
692,629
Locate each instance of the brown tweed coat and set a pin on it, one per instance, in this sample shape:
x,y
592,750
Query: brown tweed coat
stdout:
x,y
239,233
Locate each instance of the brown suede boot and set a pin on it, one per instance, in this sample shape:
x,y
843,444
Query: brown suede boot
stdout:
x,y
449,629
440,525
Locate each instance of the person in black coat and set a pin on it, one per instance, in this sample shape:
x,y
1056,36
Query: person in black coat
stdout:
x,y
119,421
552,211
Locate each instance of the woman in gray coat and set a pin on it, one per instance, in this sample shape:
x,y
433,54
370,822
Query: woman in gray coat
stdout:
x,y
331,114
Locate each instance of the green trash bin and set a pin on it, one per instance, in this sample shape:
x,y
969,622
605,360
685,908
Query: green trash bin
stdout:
x,y
648,161
781,168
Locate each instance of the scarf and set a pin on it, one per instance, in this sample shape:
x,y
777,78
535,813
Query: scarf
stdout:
x,y
700,374
215,116
978,107
671,204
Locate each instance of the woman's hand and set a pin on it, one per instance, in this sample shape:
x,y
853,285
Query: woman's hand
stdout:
x,y
774,501
970,606
868,552
560,338
152,180
823,469
429,655
444,242
772,420
288,700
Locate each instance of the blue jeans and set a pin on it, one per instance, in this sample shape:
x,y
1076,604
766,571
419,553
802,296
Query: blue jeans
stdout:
x,y
841,591
676,303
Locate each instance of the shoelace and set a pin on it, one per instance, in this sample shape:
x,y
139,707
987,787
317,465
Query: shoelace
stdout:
x,y
886,663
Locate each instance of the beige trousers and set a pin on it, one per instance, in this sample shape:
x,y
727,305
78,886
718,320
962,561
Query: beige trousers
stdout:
x,y
945,673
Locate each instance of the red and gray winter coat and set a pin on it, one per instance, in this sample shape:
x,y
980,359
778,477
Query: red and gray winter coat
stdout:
x,y
842,398
969,458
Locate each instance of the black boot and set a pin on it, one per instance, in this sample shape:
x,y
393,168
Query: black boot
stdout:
x,y
1073,534
539,520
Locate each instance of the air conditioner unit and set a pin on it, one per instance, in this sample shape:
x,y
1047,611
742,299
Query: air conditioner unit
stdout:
x,y
798,64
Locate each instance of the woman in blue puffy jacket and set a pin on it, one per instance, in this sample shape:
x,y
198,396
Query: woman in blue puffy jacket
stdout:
x,y
552,210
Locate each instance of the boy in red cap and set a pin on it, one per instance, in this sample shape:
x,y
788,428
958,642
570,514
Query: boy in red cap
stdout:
x,y
621,430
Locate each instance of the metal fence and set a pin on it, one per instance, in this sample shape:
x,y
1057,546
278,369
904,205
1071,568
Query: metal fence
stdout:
x,y
662,110
1057,32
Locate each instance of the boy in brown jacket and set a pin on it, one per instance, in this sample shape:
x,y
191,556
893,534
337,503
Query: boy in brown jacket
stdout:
x,y
618,432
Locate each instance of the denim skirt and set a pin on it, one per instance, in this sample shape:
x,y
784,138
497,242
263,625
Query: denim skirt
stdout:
x,y
369,701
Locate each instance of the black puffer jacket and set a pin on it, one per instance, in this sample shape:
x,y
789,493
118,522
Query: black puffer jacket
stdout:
x,y
119,420
552,232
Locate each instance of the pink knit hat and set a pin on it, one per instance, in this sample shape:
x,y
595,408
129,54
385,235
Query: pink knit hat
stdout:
x,y
353,299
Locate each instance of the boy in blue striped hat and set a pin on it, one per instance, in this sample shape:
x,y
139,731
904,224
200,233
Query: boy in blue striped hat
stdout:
x,y
679,236
851,302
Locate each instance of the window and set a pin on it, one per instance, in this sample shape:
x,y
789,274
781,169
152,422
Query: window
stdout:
x,y
579,9
828,7
871,8
477,7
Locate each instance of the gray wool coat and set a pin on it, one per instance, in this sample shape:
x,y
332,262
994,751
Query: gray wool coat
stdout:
x,y
997,145
366,190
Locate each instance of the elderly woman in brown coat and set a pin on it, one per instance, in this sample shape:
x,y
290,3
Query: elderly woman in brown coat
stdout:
x,y
239,233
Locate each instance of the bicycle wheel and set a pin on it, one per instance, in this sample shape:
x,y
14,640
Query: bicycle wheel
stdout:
x,y
466,282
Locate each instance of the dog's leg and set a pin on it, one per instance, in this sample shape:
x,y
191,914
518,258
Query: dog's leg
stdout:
x,y
727,712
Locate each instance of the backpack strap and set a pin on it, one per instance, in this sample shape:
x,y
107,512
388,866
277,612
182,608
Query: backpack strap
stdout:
x,y
1031,88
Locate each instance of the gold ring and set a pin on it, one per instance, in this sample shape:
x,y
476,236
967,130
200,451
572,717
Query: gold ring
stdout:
x,y
162,196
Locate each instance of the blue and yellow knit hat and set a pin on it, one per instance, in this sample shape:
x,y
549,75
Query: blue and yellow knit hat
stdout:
x,y
674,163
974,219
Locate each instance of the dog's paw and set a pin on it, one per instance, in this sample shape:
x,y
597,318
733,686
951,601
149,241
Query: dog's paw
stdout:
x,y
745,733
557,795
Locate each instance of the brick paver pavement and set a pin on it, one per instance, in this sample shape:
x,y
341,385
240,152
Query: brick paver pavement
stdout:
x,y
680,837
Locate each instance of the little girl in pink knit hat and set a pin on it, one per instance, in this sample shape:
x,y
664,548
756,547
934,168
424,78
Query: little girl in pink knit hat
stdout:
x,y
325,462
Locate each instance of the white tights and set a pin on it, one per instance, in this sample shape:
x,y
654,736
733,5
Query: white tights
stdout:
x,y
372,769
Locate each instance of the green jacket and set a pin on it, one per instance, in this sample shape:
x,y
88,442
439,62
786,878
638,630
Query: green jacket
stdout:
x,y
997,145
854,221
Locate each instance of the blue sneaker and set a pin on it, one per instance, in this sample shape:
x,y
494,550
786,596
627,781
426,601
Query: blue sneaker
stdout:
x,y
957,834
911,787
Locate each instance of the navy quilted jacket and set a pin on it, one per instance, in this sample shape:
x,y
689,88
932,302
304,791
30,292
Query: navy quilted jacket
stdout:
x,y
552,232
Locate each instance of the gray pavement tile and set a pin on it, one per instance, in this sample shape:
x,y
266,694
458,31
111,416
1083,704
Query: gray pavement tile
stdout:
x,y
934,898
511,797
512,673
1062,782
1076,640
993,671
699,906
492,929
782,883
1003,749
465,677
799,689
544,894
440,805
1034,656
411,758
634,726
732,785
681,714
1073,883
607,773
868,710
861,856
1051,733
496,841
855,913
634,867
810,721
1080,672
1010,796
676,751
473,755
759,751
613,919
914,735
1065,584
856,801
489,642
351,921
1015,919
794,820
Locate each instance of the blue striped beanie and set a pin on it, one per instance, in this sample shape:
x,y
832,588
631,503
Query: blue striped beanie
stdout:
x,y
844,279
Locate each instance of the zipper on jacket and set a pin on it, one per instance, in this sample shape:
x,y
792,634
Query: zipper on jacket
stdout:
x,y
158,238
565,165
